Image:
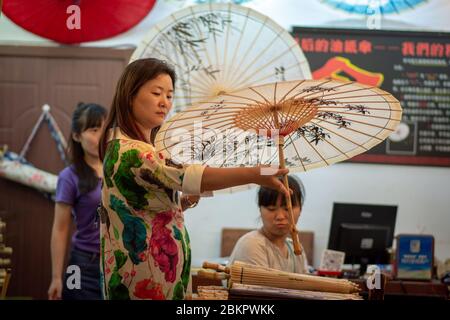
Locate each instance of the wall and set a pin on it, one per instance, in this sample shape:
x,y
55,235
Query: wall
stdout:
x,y
421,193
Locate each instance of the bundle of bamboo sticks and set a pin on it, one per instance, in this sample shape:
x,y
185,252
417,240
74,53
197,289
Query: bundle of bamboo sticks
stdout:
x,y
248,291
212,275
244,273
251,281
213,271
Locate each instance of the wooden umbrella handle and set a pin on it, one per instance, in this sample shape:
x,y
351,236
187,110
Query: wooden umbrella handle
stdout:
x,y
216,266
294,232
212,275
280,140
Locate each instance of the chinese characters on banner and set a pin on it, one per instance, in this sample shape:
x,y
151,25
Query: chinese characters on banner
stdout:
x,y
414,67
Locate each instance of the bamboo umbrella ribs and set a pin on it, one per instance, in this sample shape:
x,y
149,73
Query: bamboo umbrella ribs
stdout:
x,y
300,125
217,48
321,122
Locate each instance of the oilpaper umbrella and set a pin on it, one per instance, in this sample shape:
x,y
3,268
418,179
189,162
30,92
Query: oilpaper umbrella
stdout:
x,y
217,48
301,125
76,21
370,7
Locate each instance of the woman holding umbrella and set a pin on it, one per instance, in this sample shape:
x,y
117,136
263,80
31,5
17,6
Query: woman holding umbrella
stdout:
x,y
145,250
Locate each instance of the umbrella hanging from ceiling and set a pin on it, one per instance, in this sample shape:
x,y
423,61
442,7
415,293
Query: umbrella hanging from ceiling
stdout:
x,y
218,48
59,20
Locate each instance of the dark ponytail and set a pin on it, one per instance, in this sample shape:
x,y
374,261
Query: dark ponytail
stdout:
x,y
84,117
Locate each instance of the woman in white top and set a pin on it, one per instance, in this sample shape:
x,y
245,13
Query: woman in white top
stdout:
x,y
270,246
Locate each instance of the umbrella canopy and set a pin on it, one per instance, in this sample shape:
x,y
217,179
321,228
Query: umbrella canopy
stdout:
x,y
370,7
98,19
301,125
217,48
321,122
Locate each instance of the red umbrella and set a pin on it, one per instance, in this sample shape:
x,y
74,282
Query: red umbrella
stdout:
x,y
76,21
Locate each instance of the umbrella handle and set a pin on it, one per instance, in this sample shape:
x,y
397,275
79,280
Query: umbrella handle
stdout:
x,y
294,232
215,266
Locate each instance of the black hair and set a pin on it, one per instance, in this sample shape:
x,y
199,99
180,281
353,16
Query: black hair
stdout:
x,y
268,197
135,75
85,116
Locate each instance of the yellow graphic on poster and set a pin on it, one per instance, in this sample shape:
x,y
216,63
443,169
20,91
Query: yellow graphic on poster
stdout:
x,y
335,66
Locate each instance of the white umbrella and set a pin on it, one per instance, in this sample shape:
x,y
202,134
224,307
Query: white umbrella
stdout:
x,y
302,125
218,48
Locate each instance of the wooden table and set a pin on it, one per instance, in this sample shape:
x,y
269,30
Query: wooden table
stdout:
x,y
411,289
395,289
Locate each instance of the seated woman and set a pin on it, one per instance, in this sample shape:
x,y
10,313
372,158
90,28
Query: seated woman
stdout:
x,y
270,246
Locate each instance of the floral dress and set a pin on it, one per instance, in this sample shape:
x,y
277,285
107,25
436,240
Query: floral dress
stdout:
x,y
145,250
